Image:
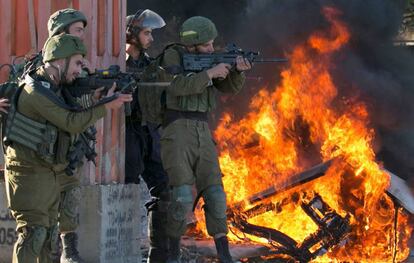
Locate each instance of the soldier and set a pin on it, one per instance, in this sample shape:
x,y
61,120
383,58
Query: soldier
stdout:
x,y
188,151
69,21
73,22
41,129
142,139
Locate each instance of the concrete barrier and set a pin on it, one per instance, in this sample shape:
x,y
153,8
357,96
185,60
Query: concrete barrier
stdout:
x,y
110,224
110,229
8,234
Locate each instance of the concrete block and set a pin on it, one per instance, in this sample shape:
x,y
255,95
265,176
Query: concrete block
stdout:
x,y
110,228
8,234
110,224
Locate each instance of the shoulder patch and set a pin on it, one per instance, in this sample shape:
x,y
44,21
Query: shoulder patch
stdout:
x,y
45,84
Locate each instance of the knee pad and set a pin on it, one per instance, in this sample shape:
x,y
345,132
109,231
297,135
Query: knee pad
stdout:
x,y
215,201
69,210
32,238
70,202
181,202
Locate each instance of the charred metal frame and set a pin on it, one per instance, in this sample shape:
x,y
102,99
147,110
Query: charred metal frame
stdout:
x,y
333,229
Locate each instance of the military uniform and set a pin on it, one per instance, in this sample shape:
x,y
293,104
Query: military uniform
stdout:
x,y
39,133
32,182
143,158
69,186
188,151
142,154
142,140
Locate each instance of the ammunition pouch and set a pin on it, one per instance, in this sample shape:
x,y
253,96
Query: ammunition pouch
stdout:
x,y
39,137
198,102
64,143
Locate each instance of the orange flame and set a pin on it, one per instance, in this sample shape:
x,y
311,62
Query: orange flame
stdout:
x,y
301,119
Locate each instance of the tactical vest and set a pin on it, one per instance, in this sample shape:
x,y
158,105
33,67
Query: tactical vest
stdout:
x,y
152,98
39,137
138,67
204,102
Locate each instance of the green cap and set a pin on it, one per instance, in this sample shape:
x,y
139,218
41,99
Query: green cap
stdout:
x,y
62,46
63,18
197,30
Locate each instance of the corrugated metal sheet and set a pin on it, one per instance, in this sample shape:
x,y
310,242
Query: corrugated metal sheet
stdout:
x,y
23,31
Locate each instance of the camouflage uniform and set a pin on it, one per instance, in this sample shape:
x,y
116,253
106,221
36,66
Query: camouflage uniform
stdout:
x,y
188,151
32,175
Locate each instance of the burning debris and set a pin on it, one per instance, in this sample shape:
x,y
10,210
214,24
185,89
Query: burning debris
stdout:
x,y
342,212
332,230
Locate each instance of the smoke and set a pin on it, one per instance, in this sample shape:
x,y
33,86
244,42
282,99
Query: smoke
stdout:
x,y
382,72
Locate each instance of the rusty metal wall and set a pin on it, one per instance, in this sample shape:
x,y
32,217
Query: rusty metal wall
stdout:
x,y
23,31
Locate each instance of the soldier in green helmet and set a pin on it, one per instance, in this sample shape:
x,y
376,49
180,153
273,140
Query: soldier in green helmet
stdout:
x,y
41,129
73,22
188,151
67,20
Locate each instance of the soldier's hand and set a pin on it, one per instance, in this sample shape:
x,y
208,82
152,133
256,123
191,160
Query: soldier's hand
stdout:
x,y
111,91
242,64
97,94
220,71
119,101
4,103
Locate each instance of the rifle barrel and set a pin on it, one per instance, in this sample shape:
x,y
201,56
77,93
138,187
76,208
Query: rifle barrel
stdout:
x,y
270,60
153,84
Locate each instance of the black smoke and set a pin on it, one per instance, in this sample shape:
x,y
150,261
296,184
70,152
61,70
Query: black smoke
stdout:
x,y
382,72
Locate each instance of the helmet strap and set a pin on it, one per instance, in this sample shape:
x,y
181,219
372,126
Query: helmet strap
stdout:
x,y
65,71
52,76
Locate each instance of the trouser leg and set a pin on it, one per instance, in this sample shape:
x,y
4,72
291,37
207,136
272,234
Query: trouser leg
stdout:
x,y
216,220
180,205
134,152
30,245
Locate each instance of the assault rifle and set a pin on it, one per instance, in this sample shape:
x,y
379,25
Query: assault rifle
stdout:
x,y
200,62
125,82
84,146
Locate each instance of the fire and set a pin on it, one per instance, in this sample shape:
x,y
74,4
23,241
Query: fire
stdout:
x,y
303,122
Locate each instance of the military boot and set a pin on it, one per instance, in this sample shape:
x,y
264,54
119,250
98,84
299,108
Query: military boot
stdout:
x,y
158,251
174,253
70,252
223,252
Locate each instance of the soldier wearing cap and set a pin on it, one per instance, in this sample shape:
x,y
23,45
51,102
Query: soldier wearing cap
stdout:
x,y
40,130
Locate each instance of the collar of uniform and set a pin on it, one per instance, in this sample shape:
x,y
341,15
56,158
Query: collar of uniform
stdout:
x,y
142,56
138,64
45,79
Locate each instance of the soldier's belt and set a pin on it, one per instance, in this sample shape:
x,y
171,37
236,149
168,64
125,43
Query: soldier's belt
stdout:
x,y
39,137
173,115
